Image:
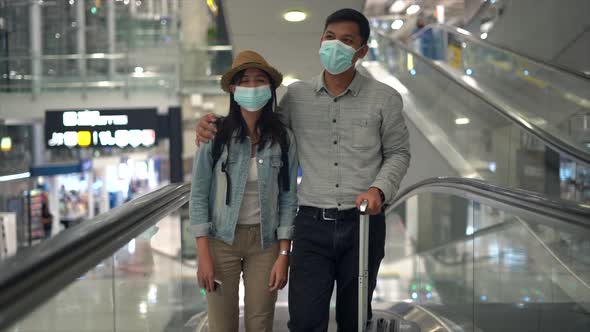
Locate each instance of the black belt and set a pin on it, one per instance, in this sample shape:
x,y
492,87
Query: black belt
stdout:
x,y
330,214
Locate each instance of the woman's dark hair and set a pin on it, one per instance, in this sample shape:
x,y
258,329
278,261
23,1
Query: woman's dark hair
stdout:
x,y
351,15
271,128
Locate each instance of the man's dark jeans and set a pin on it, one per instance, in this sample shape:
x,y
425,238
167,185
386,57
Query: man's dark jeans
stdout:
x,y
324,252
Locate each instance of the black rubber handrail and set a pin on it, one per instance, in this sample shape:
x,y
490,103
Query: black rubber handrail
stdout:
x,y
33,276
555,142
560,214
547,65
562,211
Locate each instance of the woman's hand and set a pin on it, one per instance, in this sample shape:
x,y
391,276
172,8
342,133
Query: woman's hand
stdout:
x,y
279,274
206,269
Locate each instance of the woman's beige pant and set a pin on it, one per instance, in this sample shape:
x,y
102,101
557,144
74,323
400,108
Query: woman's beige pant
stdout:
x,y
244,255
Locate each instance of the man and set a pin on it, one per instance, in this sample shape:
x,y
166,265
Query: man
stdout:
x,y
352,146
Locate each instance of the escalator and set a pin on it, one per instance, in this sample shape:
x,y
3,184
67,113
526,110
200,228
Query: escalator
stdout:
x,y
461,255
488,258
491,114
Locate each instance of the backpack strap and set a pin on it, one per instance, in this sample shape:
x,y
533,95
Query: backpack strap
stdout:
x,y
284,171
216,152
225,169
217,148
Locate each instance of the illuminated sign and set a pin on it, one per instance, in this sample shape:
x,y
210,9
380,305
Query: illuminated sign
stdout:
x,y
92,119
124,128
6,144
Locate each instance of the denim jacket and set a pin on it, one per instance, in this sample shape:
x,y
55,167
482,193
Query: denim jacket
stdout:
x,y
209,214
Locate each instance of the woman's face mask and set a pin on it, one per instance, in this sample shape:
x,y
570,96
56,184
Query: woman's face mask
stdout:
x,y
252,99
336,57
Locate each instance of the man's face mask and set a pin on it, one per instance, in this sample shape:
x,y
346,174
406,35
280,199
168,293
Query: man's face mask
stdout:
x,y
336,57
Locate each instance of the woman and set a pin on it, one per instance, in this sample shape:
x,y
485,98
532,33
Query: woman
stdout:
x,y
243,200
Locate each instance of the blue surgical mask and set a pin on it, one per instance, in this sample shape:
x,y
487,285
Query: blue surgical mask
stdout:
x,y
336,56
252,99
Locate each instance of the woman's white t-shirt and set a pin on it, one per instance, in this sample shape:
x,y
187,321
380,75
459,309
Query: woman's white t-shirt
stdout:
x,y
250,209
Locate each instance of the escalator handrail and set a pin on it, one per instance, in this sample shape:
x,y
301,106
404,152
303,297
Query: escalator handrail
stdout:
x,y
482,7
544,210
33,276
551,66
565,212
561,146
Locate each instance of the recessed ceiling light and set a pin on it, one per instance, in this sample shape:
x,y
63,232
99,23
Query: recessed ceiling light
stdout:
x,y
413,9
462,121
484,35
295,16
397,24
398,7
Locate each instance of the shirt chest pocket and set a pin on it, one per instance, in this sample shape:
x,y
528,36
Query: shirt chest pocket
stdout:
x,y
365,133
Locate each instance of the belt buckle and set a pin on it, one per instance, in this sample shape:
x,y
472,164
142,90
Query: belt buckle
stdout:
x,y
326,218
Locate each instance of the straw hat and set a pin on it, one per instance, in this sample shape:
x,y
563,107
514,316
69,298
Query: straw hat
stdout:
x,y
250,59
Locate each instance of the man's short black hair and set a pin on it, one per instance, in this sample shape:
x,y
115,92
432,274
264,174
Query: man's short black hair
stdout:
x,y
351,15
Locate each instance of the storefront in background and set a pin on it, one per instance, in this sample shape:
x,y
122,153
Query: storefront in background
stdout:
x,y
61,196
15,160
122,178
133,150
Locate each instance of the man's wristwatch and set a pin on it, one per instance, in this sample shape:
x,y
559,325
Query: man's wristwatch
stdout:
x,y
284,252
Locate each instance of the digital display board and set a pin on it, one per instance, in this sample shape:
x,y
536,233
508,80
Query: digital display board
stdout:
x,y
87,128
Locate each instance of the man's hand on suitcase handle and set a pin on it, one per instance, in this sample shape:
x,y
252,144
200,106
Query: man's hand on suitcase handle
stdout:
x,y
373,197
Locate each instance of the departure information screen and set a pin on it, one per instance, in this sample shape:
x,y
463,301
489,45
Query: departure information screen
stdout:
x,y
85,128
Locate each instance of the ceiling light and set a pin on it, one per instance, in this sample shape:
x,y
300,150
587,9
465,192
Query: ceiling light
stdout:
x,y
397,24
398,7
462,121
484,35
463,31
487,26
288,80
492,166
295,16
413,9
440,13
15,177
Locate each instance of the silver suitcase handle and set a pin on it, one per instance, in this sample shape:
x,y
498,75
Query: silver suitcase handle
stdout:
x,y
363,265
